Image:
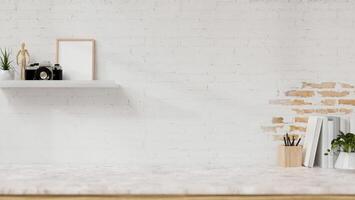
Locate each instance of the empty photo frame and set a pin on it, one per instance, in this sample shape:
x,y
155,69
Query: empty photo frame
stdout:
x,y
77,58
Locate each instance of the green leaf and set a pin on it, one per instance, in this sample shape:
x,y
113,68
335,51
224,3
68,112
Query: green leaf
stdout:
x,y
5,61
344,142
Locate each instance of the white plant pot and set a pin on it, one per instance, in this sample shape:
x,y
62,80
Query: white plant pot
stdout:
x,y
6,75
345,161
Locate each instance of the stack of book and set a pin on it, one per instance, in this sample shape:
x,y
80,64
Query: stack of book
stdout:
x,y
320,133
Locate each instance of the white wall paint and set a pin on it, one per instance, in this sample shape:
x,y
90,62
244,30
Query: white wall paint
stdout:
x,y
196,77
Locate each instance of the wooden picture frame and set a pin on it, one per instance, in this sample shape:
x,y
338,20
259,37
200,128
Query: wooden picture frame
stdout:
x,y
66,50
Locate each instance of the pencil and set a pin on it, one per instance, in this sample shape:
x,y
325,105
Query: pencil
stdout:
x,y
285,141
288,139
299,140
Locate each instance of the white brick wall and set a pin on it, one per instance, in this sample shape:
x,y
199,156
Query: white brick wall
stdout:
x,y
196,77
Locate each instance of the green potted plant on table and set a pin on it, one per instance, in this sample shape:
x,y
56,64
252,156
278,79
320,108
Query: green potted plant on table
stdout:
x,y
6,70
345,144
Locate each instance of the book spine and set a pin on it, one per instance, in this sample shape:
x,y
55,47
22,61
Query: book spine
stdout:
x,y
344,125
331,133
314,145
325,145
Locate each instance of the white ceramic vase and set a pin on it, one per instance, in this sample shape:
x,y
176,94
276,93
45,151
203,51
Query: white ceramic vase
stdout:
x,y
345,161
6,75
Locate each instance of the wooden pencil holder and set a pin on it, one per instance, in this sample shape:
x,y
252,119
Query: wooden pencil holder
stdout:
x,y
290,156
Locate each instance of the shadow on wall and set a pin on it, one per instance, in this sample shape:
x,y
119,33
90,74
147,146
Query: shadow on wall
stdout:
x,y
295,106
47,101
81,125
98,103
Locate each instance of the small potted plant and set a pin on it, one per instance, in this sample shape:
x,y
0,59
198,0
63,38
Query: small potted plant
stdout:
x,y
345,144
6,72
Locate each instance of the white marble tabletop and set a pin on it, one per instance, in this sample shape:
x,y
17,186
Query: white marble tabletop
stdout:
x,y
65,180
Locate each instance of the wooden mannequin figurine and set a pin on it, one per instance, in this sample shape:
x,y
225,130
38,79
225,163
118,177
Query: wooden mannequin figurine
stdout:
x,y
23,58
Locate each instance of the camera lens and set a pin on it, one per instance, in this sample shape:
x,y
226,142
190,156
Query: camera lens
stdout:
x,y
44,73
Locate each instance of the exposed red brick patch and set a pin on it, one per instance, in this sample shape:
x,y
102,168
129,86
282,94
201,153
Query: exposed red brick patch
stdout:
x,y
345,85
277,120
301,119
297,128
333,93
272,129
329,102
325,98
303,111
345,110
323,111
290,102
347,102
324,85
300,93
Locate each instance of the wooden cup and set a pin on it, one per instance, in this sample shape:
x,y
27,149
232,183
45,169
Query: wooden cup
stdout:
x,y
290,156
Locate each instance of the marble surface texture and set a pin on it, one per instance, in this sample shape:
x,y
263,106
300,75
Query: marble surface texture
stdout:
x,y
43,179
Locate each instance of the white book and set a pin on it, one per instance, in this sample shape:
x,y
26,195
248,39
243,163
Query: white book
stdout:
x,y
344,125
311,140
334,131
321,159
352,125
331,133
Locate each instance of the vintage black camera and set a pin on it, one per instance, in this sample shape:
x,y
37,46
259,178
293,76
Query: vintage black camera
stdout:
x,y
43,71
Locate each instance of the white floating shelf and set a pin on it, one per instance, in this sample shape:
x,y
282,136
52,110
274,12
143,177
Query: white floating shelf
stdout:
x,y
58,84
